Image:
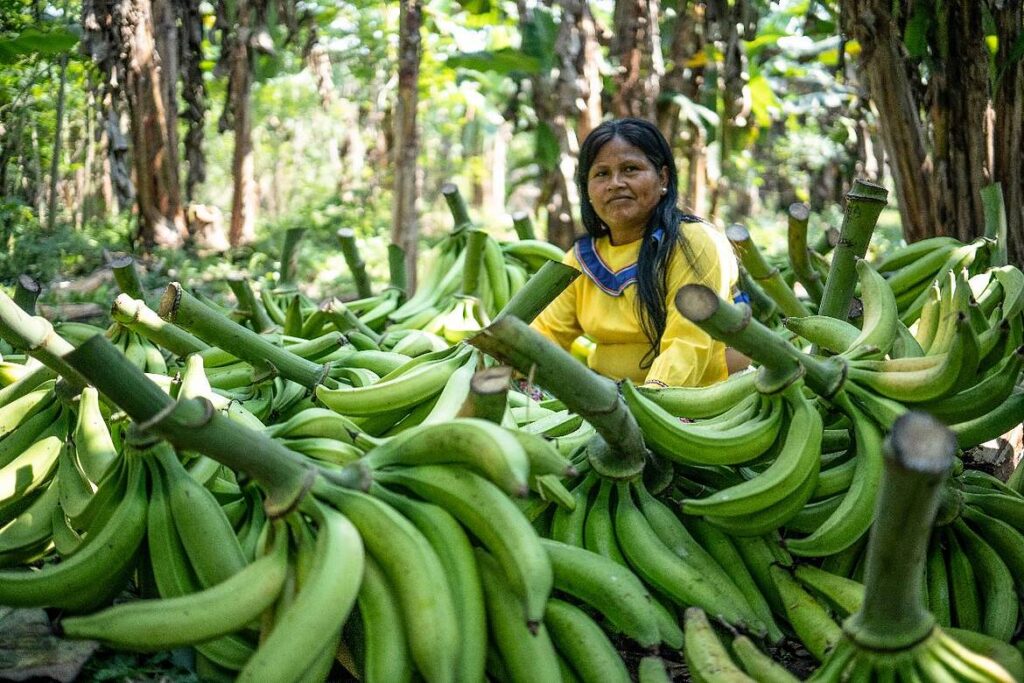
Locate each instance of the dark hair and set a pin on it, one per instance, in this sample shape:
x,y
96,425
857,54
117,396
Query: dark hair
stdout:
x,y
655,255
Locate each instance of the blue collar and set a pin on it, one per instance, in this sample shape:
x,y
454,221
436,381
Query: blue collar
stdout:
x,y
612,282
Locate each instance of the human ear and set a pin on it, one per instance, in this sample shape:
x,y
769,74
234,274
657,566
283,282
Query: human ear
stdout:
x,y
663,175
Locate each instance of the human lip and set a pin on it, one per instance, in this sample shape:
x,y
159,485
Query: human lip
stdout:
x,y
616,199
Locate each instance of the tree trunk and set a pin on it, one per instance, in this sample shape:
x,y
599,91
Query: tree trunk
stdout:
x,y
243,199
193,91
58,135
636,51
685,80
960,122
943,141
405,223
1008,138
161,220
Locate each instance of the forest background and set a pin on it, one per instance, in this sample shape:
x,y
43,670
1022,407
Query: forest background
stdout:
x,y
144,126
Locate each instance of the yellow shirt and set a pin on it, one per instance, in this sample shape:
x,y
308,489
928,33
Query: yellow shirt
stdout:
x,y
688,356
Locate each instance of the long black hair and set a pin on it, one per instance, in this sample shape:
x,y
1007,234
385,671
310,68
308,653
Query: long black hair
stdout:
x,y
655,255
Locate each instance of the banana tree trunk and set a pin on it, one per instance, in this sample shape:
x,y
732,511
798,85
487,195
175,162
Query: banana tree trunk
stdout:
x,y
243,200
405,228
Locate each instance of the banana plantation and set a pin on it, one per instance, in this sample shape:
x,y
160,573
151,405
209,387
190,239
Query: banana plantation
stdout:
x,y
284,393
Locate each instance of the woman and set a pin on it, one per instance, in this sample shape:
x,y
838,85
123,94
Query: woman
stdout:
x,y
638,251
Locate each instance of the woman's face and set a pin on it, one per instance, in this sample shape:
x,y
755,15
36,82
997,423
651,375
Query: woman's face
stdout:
x,y
624,187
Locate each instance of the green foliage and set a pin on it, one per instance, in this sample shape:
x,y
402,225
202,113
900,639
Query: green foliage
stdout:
x,y
28,248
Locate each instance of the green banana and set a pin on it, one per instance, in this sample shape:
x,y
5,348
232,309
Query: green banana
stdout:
x,y
205,531
910,253
880,318
493,519
999,599
477,444
321,606
454,550
567,526
163,624
660,567
30,531
386,657
598,529
696,445
721,547
414,571
98,570
854,515
606,586
582,642
17,412
963,585
399,390
911,379
701,402
706,657
809,618
937,583
825,332
845,594
758,665
93,443
527,651
798,459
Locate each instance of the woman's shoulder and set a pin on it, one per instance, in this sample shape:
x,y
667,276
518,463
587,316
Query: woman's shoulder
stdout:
x,y
704,238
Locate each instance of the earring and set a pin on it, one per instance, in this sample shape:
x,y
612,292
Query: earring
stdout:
x,y
664,190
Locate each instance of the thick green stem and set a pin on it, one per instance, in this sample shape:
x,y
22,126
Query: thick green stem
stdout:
x,y
918,456
26,292
290,255
138,317
457,205
35,336
539,291
621,452
396,269
475,242
826,242
763,306
181,308
764,273
799,214
247,304
781,362
356,265
194,425
864,202
127,277
523,225
344,320
488,394
995,221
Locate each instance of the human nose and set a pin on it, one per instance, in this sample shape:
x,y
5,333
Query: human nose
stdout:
x,y
615,179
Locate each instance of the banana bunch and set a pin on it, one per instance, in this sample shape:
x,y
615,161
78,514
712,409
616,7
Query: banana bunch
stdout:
x,y
892,635
432,386
972,573
143,353
627,524
910,270
570,644
33,435
98,546
466,317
